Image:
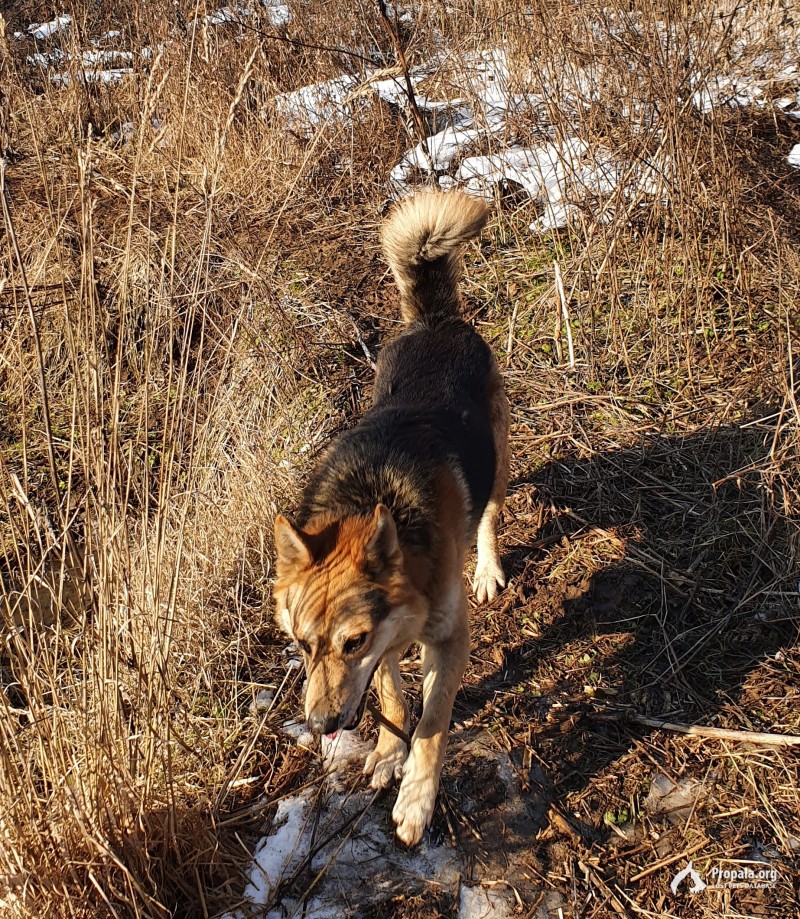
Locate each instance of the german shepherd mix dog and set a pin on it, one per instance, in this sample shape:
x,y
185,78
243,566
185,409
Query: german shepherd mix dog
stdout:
x,y
374,559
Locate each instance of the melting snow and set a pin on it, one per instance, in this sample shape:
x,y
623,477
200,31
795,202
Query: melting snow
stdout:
x,y
362,866
300,732
106,77
277,13
225,15
675,801
45,29
558,176
794,156
275,853
308,818
471,139
110,66
311,106
479,903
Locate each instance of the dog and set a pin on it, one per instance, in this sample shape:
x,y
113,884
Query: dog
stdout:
x,y
374,558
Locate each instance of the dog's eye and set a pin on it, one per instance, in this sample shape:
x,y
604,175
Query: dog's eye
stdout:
x,y
353,644
304,646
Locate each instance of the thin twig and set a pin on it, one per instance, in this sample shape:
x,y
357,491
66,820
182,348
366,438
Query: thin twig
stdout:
x,y
562,299
651,869
416,115
700,730
384,722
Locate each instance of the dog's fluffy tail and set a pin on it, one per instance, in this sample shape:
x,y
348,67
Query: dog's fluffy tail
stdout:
x,y
423,241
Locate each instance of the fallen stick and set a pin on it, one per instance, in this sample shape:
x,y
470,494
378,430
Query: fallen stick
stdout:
x,y
669,861
699,730
373,709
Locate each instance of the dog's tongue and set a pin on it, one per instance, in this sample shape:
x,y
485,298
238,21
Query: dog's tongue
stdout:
x,y
334,735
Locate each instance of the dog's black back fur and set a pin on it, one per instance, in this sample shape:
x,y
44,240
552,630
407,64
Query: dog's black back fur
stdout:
x,y
430,409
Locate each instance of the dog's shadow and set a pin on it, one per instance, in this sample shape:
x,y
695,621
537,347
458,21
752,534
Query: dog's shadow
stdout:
x,y
651,581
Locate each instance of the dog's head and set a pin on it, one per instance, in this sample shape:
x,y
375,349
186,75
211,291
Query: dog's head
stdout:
x,y
343,596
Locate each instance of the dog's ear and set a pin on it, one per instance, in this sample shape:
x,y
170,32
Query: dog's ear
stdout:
x,y
292,544
382,550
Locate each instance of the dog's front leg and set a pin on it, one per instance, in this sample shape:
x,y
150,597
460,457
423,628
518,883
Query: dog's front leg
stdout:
x,y
443,664
386,761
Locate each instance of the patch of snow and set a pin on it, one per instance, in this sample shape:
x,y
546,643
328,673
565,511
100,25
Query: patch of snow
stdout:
x,y
435,154
556,215
397,12
262,702
675,801
45,59
718,90
44,30
299,731
106,77
363,867
556,175
367,840
553,906
793,159
106,58
278,14
480,903
126,133
226,14
95,66
393,89
343,748
309,107
561,176
275,853
789,105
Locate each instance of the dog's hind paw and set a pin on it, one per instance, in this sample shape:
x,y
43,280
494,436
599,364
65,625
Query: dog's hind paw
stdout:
x,y
385,763
488,580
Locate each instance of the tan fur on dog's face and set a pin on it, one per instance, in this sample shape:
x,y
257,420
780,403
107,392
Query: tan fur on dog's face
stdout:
x,y
342,594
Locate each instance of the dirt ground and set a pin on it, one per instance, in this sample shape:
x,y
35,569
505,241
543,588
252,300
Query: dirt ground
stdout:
x,y
545,787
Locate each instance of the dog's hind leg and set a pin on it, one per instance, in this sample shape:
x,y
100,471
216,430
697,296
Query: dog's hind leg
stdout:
x,y
443,664
488,569
386,760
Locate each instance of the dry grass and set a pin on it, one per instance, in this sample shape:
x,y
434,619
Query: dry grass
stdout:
x,y
188,297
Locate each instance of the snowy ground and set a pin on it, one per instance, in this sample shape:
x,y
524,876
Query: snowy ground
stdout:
x,y
562,172
103,63
472,141
325,837
332,850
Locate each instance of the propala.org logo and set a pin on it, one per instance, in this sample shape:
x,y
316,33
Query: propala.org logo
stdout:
x,y
758,876
688,872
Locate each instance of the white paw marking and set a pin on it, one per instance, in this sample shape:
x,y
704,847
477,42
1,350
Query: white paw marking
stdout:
x,y
413,809
385,763
488,578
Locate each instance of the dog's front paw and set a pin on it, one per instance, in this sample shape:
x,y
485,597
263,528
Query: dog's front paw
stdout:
x,y
385,763
489,578
413,809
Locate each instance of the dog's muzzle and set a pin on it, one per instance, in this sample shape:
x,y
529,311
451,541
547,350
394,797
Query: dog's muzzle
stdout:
x,y
330,726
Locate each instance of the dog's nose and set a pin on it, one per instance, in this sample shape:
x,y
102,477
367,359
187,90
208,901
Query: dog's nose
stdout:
x,y
324,723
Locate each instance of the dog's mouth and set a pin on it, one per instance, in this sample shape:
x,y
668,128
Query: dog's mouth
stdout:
x,y
355,719
358,714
